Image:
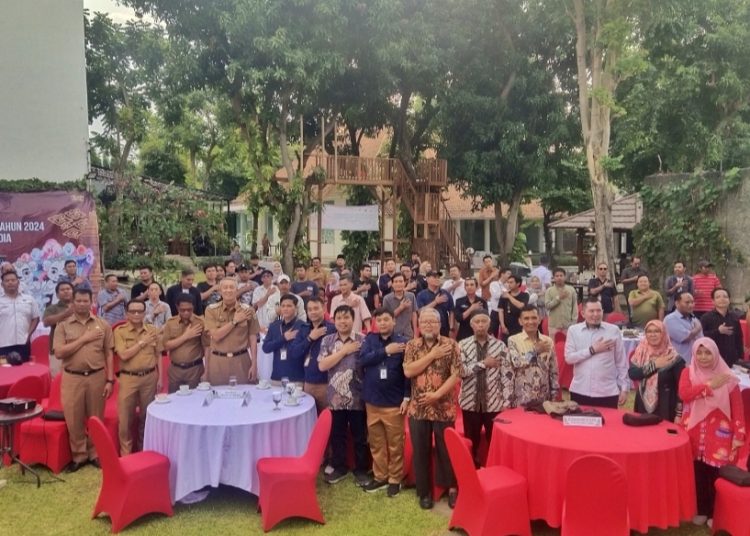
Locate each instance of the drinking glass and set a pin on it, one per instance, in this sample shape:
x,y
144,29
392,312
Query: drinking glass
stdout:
x,y
284,382
290,387
277,400
232,381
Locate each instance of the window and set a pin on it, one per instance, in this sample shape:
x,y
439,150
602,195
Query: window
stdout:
x,y
472,233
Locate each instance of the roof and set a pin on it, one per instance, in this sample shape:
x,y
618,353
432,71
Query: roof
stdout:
x,y
106,175
627,212
461,207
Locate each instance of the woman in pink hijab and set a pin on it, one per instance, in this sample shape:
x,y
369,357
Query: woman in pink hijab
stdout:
x,y
714,419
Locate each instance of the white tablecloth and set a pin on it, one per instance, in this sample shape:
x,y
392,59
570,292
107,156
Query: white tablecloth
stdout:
x,y
744,380
221,443
630,344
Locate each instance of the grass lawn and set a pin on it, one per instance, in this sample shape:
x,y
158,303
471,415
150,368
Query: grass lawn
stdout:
x,y
65,508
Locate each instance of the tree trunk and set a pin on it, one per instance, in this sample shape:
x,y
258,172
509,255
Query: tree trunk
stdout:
x,y
547,232
506,228
254,231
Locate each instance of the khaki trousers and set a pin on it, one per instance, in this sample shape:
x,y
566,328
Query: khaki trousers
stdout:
x,y
221,367
319,391
385,431
82,398
135,391
179,376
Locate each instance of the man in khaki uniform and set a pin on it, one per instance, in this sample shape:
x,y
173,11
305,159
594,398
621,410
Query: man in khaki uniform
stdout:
x,y
84,345
139,347
233,330
53,315
183,337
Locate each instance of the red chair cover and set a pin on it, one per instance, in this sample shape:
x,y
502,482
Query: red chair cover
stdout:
x,y
596,496
730,508
565,371
545,326
40,350
28,387
745,335
46,442
746,405
132,486
287,485
490,501
616,318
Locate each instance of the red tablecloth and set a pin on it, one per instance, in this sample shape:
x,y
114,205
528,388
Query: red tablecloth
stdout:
x,y
10,375
659,465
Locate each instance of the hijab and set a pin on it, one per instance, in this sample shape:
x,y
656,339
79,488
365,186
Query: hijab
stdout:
x,y
701,407
643,354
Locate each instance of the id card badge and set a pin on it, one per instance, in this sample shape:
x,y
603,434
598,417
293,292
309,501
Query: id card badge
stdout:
x,y
383,373
307,361
282,354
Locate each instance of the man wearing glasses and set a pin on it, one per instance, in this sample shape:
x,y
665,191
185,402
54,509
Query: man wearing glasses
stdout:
x,y
139,347
603,287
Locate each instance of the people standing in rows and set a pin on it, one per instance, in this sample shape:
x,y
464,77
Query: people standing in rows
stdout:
x,y
185,286
209,288
357,303
600,365
139,347
71,275
185,338
111,301
433,297
704,282
657,367
277,341
367,288
487,274
509,307
645,303
317,273
714,419
384,281
683,327
629,278
157,311
339,356
676,284
233,330
83,343
139,292
433,364
486,381
561,302
403,307
53,315
386,393
466,307
604,288
722,325
533,361
245,285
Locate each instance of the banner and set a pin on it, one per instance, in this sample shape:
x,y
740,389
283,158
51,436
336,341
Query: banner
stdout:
x,y
364,218
39,231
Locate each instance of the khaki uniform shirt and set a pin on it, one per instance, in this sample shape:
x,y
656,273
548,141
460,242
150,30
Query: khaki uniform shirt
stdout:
x,y
50,310
562,312
319,275
90,356
126,336
190,350
218,315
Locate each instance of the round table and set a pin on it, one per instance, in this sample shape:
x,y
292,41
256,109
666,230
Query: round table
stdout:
x,y
7,429
221,443
10,375
658,465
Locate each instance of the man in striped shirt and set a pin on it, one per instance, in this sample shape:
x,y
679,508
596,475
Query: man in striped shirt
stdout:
x,y
704,283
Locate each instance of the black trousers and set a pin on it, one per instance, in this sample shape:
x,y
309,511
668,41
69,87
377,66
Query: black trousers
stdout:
x,y
354,421
705,477
422,432
474,421
600,401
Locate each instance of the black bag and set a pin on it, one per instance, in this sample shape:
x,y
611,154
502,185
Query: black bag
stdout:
x,y
641,419
53,415
735,475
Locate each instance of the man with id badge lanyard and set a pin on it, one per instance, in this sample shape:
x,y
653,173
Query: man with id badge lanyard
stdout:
x,y
280,334
386,393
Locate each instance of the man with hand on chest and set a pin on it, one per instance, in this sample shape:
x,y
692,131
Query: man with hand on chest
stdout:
x,y
278,339
184,337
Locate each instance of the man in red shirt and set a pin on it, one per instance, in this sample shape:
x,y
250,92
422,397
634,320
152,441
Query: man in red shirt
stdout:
x,y
704,282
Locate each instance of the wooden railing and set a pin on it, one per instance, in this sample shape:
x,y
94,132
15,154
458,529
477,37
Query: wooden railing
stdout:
x,y
378,171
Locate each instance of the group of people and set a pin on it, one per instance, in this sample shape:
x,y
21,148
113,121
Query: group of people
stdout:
x,y
408,343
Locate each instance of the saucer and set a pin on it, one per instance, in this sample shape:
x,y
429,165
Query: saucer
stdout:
x,y
199,388
259,386
288,403
184,393
162,400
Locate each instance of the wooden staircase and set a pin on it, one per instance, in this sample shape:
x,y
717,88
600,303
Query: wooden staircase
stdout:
x,y
435,236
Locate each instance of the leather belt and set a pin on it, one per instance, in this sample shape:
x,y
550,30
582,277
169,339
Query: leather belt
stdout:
x,y
230,354
195,363
84,372
139,372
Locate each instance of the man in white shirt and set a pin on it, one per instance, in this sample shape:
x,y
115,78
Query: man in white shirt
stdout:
x,y
357,303
19,317
543,272
455,285
600,364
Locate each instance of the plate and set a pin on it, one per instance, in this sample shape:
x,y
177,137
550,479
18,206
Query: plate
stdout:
x,y
290,404
162,401
263,388
199,388
184,393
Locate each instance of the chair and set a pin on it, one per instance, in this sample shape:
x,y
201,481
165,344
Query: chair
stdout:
x,y
287,485
132,486
491,500
617,318
544,328
46,442
731,501
746,405
565,371
40,350
596,496
28,387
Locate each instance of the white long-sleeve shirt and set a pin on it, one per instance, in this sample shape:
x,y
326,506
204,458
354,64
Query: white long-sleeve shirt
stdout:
x,y
602,374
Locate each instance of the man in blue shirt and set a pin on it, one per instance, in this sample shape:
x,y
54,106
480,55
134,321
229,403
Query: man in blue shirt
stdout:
x,y
306,347
683,327
303,287
436,298
280,334
386,393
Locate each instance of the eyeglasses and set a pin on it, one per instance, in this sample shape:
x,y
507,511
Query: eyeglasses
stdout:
x,y
137,312
431,321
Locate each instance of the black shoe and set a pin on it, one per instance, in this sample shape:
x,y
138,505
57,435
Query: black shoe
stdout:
x,y
362,479
95,463
375,485
336,476
74,466
393,489
425,503
452,497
